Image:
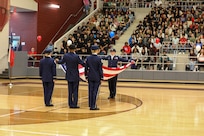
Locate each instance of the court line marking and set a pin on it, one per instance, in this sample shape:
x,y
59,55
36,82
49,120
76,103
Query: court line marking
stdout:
x,y
32,109
17,112
32,132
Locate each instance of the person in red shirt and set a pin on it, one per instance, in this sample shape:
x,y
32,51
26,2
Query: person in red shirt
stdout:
x,y
127,48
32,57
193,26
183,42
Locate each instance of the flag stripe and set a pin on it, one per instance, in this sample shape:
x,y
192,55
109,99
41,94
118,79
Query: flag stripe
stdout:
x,y
108,72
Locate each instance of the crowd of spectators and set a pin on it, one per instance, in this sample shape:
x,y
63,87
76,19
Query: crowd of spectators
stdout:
x,y
103,29
131,3
168,29
171,29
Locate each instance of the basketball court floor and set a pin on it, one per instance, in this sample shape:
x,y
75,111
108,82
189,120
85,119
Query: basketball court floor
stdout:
x,y
140,109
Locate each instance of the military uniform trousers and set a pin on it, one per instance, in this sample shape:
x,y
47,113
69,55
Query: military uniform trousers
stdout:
x,y
112,86
73,93
48,90
93,93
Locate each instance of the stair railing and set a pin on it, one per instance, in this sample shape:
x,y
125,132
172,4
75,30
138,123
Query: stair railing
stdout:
x,y
99,5
69,17
72,15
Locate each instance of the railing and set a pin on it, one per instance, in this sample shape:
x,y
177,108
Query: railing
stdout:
x,y
145,4
71,31
69,17
161,62
86,19
183,4
72,15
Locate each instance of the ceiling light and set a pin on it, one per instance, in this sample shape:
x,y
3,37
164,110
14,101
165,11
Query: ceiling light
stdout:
x,y
54,6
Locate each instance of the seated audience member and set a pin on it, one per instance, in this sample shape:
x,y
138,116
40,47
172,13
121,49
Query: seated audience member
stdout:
x,y
167,43
65,51
50,46
202,36
175,44
127,48
19,47
135,46
192,60
63,45
121,29
133,43
143,60
199,43
196,51
113,27
157,44
165,62
135,55
32,57
183,42
200,59
131,39
158,3
123,55
55,53
86,6
83,51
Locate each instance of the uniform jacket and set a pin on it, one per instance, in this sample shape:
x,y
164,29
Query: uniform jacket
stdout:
x,y
71,60
93,69
114,62
47,69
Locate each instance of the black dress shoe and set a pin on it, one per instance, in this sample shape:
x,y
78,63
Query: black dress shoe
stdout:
x,y
49,105
94,109
75,107
110,97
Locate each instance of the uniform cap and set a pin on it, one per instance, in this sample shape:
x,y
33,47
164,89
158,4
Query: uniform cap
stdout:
x,y
112,50
72,46
94,47
47,51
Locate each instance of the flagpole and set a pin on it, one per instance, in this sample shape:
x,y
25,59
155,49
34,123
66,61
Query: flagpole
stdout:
x,y
10,65
10,73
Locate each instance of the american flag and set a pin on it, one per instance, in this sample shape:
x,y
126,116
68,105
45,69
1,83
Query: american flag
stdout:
x,y
107,71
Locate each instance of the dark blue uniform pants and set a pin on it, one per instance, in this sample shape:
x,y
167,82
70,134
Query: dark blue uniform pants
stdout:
x,y
93,93
112,86
48,90
73,93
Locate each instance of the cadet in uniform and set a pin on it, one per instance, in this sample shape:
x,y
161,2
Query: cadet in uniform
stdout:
x,y
72,60
113,60
94,75
47,71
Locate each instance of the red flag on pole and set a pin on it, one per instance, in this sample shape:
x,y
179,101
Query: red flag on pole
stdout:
x,y
11,57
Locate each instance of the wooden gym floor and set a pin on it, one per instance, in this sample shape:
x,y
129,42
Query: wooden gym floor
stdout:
x,y
140,109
